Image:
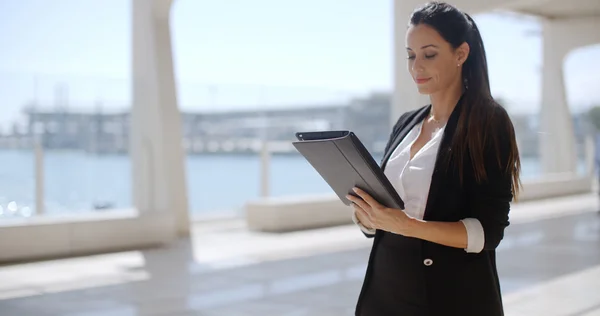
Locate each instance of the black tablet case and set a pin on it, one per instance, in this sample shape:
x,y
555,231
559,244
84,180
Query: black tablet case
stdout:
x,y
343,162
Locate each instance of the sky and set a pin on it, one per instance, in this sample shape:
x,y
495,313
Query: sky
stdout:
x,y
239,54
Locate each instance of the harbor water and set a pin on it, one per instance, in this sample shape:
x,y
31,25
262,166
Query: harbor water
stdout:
x,y
217,184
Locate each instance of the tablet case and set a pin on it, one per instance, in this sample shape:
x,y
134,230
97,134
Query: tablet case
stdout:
x,y
343,162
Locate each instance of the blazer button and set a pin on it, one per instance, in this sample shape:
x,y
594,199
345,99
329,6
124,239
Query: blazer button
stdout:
x,y
428,262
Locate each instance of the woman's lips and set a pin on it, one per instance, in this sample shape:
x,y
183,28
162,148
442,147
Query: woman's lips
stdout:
x,y
422,80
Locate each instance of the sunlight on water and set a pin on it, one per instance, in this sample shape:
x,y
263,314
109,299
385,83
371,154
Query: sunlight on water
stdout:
x,y
12,207
26,211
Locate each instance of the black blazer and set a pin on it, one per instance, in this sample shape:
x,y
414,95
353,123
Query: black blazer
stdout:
x,y
408,276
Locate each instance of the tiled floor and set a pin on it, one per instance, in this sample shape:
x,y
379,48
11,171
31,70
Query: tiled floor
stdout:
x,y
547,267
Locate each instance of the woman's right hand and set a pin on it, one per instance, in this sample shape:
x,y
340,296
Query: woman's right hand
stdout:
x,y
362,216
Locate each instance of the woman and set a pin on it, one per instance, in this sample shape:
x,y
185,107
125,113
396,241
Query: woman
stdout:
x,y
455,163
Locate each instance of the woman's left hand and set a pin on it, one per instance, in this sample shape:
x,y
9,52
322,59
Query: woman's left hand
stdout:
x,y
383,218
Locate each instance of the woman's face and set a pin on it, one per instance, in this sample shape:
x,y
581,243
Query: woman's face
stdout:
x,y
432,62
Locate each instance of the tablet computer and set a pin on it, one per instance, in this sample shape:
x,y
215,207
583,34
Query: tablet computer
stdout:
x,y
343,162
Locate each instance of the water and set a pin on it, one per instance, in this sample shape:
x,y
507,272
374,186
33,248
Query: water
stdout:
x,y
74,181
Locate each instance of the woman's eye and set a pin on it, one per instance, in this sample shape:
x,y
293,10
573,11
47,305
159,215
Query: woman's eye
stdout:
x,y
430,56
410,57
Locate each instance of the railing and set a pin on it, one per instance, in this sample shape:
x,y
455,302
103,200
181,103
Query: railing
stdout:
x,y
40,207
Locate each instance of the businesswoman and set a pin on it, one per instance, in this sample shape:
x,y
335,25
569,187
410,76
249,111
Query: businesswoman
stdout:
x,y
455,164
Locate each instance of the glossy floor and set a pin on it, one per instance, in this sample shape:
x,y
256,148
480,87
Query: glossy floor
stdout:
x,y
547,266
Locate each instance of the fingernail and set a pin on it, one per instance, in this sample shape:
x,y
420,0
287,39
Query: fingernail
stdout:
x,y
348,197
355,190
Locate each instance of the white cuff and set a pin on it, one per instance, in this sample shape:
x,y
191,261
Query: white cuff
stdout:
x,y
361,226
475,235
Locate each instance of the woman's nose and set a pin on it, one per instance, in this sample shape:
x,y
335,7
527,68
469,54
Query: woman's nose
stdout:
x,y
417,66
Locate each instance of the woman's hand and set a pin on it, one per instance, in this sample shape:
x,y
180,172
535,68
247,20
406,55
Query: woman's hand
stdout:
x,y
362,216
452,234
378,216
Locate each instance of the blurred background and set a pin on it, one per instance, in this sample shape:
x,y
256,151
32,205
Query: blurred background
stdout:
x,y
262,69
247,76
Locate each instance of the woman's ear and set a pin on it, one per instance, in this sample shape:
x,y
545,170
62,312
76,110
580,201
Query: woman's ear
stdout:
x,y
462,52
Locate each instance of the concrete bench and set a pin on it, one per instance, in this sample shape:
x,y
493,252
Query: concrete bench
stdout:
x,y
555,185
283,214
308,212
42,237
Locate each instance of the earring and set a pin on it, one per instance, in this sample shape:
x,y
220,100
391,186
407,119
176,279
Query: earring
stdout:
x,y
457,65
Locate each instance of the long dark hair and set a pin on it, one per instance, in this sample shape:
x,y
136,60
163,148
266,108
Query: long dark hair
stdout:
x,y
479,111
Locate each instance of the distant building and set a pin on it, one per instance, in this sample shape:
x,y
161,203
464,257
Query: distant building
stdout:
x,y
235,131
238,131
67,130
369,118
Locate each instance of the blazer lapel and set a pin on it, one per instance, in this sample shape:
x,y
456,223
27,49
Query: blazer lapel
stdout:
x,y
443,151
402,134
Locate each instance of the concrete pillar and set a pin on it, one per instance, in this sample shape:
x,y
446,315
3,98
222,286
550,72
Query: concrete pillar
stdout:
x,y
157,156
557,138
405,97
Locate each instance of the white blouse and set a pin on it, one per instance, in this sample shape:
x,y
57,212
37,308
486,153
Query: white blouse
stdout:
x,y
412,178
